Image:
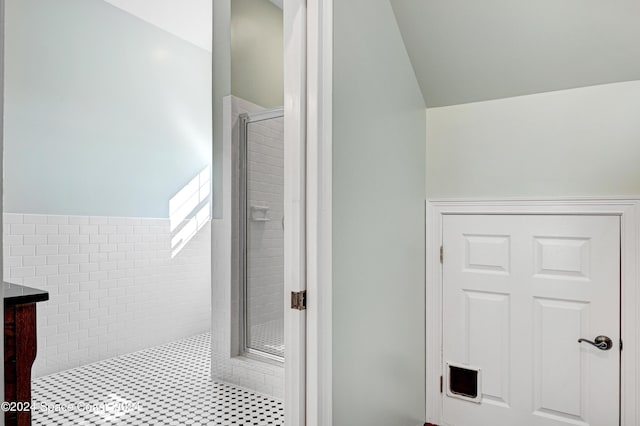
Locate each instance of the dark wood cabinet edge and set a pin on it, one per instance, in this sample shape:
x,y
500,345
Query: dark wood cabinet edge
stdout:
x,y
19,353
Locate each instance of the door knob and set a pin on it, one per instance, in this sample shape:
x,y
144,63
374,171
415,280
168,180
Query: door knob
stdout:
x,y
601,342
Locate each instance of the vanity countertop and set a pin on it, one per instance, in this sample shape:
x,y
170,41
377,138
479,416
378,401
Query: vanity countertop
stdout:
x,y
15,294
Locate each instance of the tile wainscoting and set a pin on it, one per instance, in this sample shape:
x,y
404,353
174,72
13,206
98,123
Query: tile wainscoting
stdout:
x,y
114,285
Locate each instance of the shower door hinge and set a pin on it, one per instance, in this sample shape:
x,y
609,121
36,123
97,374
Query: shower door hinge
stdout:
x,y
441,384
441,254
299,300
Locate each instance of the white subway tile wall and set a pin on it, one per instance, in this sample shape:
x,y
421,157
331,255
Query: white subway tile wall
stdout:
x,y
113,286
265,234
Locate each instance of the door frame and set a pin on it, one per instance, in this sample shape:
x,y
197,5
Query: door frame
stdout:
x,y
318,212
628,209
308,68
295,124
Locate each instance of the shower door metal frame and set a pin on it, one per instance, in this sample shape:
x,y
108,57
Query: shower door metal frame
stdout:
x,y
243,122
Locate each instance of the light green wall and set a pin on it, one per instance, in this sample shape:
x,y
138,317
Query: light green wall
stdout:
x,y
248,62
257,58
378,222
105,114
579,142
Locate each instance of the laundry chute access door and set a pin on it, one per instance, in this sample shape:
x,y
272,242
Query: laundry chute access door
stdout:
x,y
519,291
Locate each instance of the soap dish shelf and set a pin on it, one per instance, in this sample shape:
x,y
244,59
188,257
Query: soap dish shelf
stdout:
x,y
260,214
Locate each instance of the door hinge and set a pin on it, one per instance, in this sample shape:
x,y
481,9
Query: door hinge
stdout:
x,y
299,300
620,344
440,384
441,254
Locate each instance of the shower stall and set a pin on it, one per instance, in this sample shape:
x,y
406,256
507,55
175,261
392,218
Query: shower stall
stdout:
x,y
248,251
261,234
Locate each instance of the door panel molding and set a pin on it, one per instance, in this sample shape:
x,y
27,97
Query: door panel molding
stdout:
x,y
628,209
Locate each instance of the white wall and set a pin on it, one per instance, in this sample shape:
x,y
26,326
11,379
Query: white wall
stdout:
x,y
567,143
113,284
378,222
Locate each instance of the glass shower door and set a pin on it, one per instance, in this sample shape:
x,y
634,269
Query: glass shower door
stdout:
x,y
262,239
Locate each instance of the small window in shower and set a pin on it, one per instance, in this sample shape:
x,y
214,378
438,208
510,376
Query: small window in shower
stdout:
x,y
262,233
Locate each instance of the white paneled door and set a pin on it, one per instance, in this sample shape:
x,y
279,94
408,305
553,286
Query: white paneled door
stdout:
x,y
518,293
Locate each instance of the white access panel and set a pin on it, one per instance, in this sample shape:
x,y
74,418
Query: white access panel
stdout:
x,y
518,293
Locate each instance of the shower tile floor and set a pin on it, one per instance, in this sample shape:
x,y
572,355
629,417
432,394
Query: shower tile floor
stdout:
x,y
268,337
162,386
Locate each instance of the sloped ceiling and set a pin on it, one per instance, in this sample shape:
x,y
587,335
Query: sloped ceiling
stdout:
x,y
191,20
468,50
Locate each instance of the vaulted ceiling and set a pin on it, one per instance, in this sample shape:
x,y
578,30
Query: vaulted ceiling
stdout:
x,y
190,20
468,50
